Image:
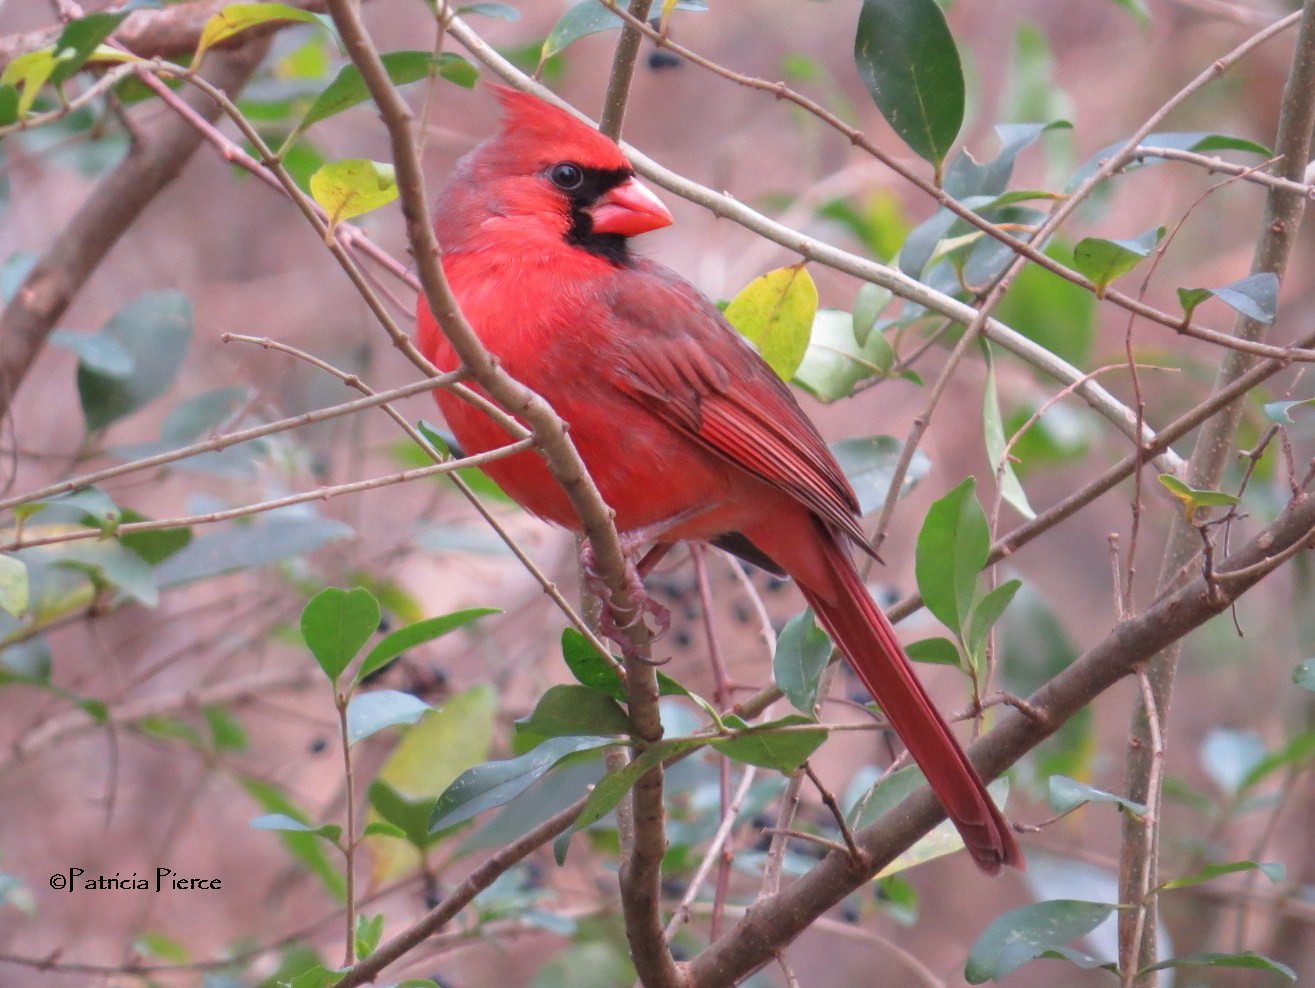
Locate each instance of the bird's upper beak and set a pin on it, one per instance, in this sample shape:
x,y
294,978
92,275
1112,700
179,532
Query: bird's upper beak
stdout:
x,y
629,209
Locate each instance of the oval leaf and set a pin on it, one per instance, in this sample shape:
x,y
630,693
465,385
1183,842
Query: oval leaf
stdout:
x,y
238,17
1024,934
1102,261
802,651
908,60
412,635
349,188
953,546
775,313
372,712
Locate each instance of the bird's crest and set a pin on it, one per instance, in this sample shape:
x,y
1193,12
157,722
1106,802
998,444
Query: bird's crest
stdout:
x,y
548,131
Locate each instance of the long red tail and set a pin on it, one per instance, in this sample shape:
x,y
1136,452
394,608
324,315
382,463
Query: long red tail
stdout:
x,y
856,624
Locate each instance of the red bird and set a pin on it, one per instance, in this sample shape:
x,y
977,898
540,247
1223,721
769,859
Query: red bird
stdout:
x,y
688,434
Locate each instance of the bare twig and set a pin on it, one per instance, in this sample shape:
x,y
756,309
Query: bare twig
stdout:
x,y
623,72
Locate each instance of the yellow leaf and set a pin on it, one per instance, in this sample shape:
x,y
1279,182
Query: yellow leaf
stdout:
x,y
349,188
30,72
775,313
442,744
238,17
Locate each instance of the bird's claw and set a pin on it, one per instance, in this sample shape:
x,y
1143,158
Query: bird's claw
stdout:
x,y
646,606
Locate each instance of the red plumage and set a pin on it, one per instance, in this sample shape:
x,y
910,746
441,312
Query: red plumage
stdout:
x,y
675,414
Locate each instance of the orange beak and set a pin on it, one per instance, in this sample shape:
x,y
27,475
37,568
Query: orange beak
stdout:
x,y
629,209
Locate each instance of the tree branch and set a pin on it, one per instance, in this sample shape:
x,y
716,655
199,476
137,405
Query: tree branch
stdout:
x,y
774,922
1283,212
113,206
623,71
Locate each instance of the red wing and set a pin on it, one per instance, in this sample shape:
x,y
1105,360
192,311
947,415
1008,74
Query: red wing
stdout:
x,y
693,370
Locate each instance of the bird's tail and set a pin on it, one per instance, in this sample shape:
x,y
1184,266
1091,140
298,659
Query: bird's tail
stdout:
x,y
866,637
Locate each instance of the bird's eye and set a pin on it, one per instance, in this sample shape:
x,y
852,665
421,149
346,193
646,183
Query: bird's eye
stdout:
x,y
567,176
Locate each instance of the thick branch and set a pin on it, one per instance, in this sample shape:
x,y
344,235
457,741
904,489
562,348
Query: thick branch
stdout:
x,y
774,922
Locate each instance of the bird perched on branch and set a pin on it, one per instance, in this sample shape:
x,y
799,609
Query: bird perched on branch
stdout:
x,y
687,432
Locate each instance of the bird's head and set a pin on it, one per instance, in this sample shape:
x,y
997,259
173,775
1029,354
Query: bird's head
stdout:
x,y
550,168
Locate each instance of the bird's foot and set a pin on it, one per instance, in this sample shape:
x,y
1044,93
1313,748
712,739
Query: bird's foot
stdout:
x,y
646,607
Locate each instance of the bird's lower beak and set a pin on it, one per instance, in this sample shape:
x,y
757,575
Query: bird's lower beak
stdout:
x,y
629,209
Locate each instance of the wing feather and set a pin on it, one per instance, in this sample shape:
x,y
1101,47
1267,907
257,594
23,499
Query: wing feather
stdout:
x,y
682,361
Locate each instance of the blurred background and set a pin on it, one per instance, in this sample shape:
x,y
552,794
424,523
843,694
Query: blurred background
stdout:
x,y
213,713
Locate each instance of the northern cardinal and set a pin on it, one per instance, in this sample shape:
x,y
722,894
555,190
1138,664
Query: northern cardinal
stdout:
x,y
687,432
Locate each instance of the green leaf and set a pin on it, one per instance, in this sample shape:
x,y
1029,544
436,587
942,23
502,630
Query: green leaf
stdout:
x,y
937,651
1193,499
409,817
573,711
907,58
156,546
1281,411
1050,311
155,330
495,783
161,946
397,642
371,712
238,17
1298,751
868,463
349,188
336,624
348,89
13,585
834,361
1137,8
1102,261
1272,870
953,546
593,670
226,731
775,313
590,17
1304,675
993,430
767,746
369,931
305,847
986,612
802,651
868,305
613,786
1247,959
16,895
1023,934
1255,296
1068,794
79,39
281,821
381,829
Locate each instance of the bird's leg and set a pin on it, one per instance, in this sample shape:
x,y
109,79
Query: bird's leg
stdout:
x,y
631,542
646,606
